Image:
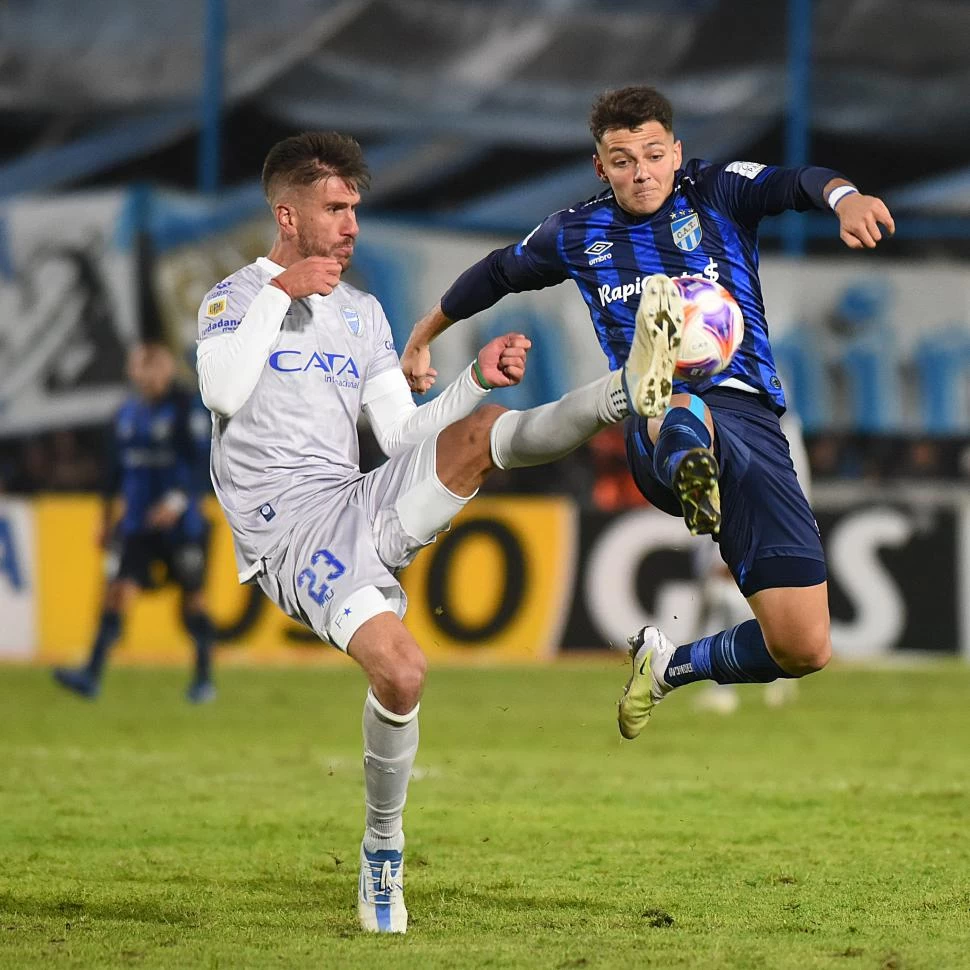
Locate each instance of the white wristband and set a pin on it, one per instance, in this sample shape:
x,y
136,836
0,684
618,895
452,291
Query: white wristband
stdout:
x,y
838,194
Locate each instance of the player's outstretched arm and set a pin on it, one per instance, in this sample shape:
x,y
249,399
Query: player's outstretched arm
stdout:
x,y
398,423
416,359
860,216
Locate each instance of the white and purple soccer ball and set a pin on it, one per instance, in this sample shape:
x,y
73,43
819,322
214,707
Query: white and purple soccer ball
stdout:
x,y
713,328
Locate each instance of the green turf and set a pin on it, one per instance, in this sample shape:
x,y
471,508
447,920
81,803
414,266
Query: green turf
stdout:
x,y
139,832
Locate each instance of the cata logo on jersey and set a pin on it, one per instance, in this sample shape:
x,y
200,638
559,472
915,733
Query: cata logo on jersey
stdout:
x,y
339,369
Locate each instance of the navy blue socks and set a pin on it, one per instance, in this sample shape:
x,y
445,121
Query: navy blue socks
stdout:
x,y
735,656
682,430
109,629
200,627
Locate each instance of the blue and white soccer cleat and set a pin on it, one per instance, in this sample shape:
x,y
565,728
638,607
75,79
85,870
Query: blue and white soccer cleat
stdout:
x,y
79,680
650,651
648,374
380,896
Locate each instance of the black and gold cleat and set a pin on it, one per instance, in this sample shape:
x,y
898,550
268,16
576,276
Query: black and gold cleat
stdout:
x,y
696,488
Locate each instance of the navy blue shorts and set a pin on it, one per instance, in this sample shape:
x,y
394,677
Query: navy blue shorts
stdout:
x,y
768,538
181,558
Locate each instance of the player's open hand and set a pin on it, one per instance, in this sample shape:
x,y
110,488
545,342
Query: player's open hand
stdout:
x,y
416,364
502,360
315,274
860,217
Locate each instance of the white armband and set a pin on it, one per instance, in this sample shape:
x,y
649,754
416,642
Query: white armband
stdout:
x,y
398,423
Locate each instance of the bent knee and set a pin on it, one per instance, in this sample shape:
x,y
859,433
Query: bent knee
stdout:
x,y
478,425
804,654
403,681
464,450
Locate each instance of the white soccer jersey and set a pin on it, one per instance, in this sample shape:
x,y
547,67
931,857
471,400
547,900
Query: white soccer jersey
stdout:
x,y
296,434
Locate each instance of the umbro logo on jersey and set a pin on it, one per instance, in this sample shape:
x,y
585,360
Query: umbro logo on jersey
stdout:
x,y
339,369
599,251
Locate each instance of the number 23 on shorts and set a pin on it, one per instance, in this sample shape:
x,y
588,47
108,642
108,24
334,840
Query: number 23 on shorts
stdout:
x,y
323,592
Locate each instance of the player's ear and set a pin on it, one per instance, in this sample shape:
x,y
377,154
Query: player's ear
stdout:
x,y
678,153
598,168
286,219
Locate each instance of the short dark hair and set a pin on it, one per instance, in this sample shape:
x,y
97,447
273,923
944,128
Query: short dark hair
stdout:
x,y
303,160
629,108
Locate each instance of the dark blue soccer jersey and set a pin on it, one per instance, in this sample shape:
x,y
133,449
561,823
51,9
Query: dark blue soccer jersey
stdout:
x,y
708,227
158,447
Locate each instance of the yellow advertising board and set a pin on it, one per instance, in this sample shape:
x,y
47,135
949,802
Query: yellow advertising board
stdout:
x,y
496,587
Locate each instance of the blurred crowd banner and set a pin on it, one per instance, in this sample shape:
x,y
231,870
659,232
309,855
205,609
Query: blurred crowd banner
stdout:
x,y
515,580
864,343
68,309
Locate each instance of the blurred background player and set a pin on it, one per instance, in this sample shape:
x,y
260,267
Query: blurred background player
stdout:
x,y
157,448
715,439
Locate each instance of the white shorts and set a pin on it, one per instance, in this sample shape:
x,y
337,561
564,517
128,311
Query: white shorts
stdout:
x,y
337,568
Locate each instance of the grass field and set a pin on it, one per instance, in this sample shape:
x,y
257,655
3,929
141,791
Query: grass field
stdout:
x,y
140,832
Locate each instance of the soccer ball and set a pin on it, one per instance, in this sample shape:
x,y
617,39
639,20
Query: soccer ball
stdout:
x,y
713,328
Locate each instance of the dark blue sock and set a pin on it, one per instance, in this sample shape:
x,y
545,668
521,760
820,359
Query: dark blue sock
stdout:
x,y
735,656
200,627
109,629
682,430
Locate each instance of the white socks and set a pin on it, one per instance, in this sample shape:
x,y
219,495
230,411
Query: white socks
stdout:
x,y
390,744
543,434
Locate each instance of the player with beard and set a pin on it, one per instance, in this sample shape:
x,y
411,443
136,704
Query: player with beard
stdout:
x,y
289,357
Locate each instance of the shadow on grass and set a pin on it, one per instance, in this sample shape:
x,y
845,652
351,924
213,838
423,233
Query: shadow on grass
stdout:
x,y
137,911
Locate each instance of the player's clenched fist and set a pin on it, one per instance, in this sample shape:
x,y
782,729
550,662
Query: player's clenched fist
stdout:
x,y
860,217
502,360
315,274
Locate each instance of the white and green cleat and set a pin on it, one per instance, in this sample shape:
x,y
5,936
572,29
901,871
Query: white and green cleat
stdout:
x,y
648,374
650,651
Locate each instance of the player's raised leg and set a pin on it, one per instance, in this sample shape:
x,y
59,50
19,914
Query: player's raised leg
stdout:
x,y
789,638
547,433
683,461
649,371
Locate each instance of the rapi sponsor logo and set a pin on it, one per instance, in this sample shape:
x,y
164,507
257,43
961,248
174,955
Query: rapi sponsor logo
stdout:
x,y
623,292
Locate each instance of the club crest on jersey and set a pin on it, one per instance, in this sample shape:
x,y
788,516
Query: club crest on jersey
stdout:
x,y
685,225
352,319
